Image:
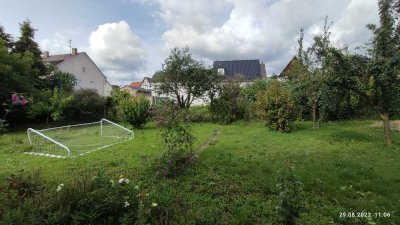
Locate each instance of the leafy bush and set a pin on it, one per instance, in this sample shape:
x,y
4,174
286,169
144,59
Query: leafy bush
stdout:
x,y
276,107
49,103
199,114
87,105
112,104
229,106
290,193
177,140
135,110
88,200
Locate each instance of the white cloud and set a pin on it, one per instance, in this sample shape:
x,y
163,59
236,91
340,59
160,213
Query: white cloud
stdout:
x,y
242,29
115,46
118,51
351,27
58,45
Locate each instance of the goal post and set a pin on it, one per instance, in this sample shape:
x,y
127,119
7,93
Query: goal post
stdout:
x,y
75,140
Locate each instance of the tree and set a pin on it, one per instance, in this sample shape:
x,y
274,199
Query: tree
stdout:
x,y
57,79
26,43
276,106
184,78
135,110
7,38
15,73
49,104
230,104
384,67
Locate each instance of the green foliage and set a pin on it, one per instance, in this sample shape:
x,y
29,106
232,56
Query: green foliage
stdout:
x,y
276,107
57,79
250,91
177,140
384,65
26,43
87,105
230,106
49,103
113,102
135,110
184,78
95,199
6,38
200,114
290,194
15,73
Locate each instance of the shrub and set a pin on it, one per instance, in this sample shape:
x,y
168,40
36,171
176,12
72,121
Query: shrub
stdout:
x,y
291,200
87,200
49,104
135,110
276,107
177,140
199,114
229,106
87,105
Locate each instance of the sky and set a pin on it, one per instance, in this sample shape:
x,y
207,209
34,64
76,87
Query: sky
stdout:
x,y
130,39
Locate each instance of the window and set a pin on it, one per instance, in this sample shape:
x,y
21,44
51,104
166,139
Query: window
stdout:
x,y
92,81
77,83
221,71
83,69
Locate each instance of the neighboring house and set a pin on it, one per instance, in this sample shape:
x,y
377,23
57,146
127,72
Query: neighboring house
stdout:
x,y
86,72
146,83
135,90
288,68
249,70
136,84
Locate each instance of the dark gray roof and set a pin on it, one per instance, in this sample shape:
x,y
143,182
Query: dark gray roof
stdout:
x,y
140,89
249,69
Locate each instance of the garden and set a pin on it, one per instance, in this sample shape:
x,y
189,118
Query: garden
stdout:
x,y
315,147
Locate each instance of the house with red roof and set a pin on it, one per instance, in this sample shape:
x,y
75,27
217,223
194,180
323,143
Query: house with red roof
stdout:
x,y
86,72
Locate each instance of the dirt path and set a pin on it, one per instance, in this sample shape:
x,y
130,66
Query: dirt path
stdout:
x,y
213,138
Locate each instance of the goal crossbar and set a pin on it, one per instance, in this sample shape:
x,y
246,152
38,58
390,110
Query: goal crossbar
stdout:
x,y
76,140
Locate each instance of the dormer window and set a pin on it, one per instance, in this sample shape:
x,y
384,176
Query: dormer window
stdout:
x,y
221,71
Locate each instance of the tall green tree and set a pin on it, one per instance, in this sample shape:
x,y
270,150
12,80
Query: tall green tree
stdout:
x,y
7,38
15,73
26,43
184,78
385,62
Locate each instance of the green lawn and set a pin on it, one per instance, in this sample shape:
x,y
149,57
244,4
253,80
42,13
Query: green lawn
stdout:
x,y
343,167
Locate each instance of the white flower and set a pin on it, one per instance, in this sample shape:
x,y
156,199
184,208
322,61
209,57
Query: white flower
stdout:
x,y
126,204
154,204
137,187
60,187
123,181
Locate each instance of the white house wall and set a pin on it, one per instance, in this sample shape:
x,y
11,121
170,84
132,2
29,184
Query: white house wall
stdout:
x,y
86,73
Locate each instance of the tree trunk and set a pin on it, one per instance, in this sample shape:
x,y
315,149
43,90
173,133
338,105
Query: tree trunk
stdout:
x,y
47,121
386,128
314,114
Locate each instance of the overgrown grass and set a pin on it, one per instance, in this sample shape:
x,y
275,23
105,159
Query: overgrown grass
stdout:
x,y
341,167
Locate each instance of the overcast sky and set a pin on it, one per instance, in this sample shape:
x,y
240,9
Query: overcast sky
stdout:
x,y
129,39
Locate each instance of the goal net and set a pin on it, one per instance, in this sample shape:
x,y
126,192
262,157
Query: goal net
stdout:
x,y
76,140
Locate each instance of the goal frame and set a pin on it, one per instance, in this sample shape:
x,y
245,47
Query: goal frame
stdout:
x,y
66,148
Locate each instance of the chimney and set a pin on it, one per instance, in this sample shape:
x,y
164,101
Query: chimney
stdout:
x,y
45,54
74,51
263,70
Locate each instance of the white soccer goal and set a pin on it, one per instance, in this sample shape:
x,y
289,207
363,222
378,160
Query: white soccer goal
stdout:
x,y
76,140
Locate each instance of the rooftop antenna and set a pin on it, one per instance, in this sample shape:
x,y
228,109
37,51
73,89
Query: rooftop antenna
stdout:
x,y
70,46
